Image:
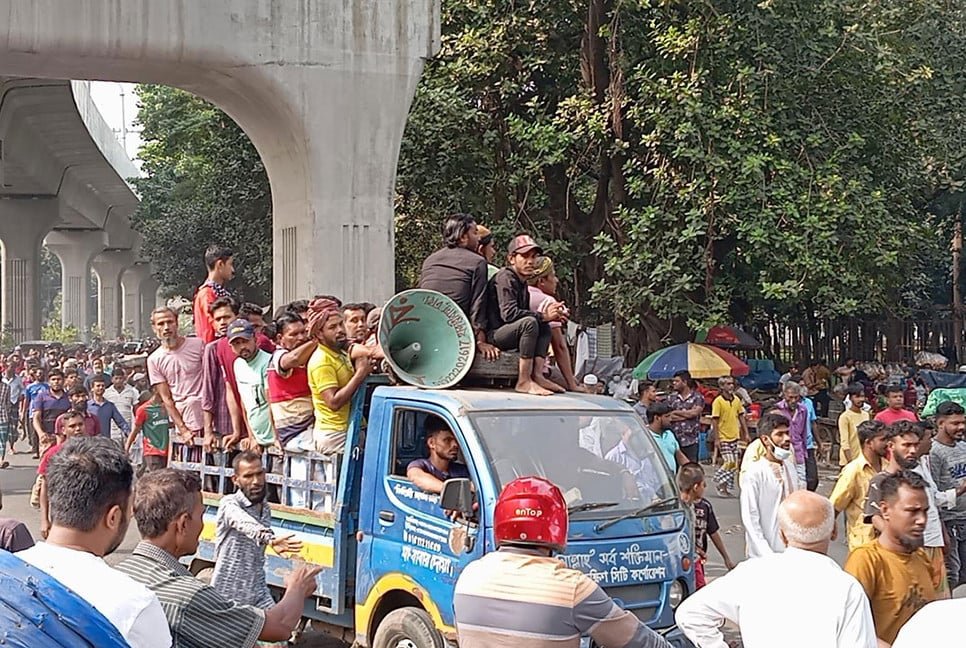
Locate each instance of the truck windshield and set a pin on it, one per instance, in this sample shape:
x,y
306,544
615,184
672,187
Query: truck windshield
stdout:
x,y
607,458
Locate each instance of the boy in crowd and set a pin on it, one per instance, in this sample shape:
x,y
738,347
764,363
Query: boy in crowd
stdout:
x,y
692,485
152,422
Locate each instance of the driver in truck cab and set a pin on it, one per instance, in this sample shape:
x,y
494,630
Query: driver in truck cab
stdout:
x,y
521,596
441,464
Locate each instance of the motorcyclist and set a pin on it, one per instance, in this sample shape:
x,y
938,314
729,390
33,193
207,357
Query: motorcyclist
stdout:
x,y
521,596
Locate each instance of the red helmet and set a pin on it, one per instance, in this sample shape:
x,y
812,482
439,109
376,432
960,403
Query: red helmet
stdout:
x,y
532,511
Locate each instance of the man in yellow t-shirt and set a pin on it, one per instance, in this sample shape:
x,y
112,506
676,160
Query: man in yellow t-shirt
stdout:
x,y
894,570
727,425
849,445
852,486
333,378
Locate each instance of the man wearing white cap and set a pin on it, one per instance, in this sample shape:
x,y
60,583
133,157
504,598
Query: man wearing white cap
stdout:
x,y
592,384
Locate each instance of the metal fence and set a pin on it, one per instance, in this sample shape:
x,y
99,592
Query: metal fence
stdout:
x,y
883,340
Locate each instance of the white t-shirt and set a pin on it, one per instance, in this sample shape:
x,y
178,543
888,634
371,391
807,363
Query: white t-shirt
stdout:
x,y
759,595
124,401
933,625
131,607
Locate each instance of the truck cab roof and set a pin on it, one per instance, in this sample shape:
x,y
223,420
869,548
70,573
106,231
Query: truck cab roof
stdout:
x,y
464,401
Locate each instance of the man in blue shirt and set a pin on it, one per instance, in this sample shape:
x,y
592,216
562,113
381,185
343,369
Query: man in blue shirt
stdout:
x,y
658,423
811,464
430,473
105,410
32,394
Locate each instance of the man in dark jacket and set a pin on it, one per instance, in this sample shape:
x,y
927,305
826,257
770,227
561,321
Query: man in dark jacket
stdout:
x,y
459,272
512,325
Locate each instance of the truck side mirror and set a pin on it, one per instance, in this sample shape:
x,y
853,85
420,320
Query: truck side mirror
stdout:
x,y
457,496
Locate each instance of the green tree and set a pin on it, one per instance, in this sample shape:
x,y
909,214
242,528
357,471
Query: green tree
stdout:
x,y
698,162
205,183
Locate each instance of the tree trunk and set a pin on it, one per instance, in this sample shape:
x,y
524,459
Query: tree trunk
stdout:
x,y
957,296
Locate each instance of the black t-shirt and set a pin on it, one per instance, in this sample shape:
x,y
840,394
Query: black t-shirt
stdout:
x,y
461,275
705,523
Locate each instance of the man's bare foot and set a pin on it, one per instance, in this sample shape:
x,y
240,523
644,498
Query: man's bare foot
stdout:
x,y
530,387
548,384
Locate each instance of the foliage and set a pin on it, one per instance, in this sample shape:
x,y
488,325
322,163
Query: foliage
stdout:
x,y
698,162
205,183
53,332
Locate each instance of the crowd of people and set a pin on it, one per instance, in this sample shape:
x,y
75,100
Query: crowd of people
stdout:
x,y
246,386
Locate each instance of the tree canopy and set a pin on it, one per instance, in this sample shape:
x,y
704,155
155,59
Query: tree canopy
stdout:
x,y
204,183
698,162
685,163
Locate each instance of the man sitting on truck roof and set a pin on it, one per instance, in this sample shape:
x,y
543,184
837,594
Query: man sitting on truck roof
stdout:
x,y
169,512
430,473
512,325
460,273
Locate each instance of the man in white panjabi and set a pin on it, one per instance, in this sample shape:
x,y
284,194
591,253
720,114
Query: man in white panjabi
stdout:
x,y
839,614
765,484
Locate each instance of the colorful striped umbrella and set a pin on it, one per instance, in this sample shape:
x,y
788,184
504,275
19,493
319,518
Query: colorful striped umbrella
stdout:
x,y
702,360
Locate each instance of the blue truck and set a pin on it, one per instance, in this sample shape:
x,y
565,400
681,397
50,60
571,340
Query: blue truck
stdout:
x,y
392,555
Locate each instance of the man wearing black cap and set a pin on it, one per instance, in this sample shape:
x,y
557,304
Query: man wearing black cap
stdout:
x,y
460,273
512,325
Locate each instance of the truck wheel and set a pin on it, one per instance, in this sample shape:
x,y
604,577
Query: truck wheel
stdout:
x,y
407,627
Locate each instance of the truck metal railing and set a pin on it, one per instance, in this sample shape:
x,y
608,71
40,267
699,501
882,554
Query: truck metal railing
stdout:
x,y
301,480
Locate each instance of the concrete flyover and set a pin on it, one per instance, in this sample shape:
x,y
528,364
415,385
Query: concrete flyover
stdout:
x,y
63,182
322,87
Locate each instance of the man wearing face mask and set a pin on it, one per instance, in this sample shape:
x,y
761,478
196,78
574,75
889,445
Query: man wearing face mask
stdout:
x,y
765,484
243,528
893,569
852,486
89,489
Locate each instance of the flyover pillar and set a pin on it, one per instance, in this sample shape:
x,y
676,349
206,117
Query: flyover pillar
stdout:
x,y
109,266
133,281
149,301
76,250
23,224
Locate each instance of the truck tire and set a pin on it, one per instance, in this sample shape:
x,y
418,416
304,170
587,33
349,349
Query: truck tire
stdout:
x,y
407,627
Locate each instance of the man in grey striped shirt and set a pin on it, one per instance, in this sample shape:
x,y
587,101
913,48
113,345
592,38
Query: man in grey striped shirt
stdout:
x,y
243,528
169,513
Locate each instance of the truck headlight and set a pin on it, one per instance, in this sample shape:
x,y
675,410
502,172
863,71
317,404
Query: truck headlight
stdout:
x,y
675,594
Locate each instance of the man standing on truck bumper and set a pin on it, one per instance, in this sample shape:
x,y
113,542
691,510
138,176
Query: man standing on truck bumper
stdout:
x,y
333,377
243,528
522,596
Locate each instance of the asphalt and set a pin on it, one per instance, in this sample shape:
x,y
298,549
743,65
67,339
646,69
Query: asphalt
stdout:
x,y
17,479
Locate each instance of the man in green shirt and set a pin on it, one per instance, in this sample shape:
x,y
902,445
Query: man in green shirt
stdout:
x,y
251,374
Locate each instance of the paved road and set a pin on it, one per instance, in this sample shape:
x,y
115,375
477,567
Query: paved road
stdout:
x,y
16,481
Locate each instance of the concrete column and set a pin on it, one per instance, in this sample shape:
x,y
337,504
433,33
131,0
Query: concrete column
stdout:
x,y
76,249
133,280
23,224
109,266
148,301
